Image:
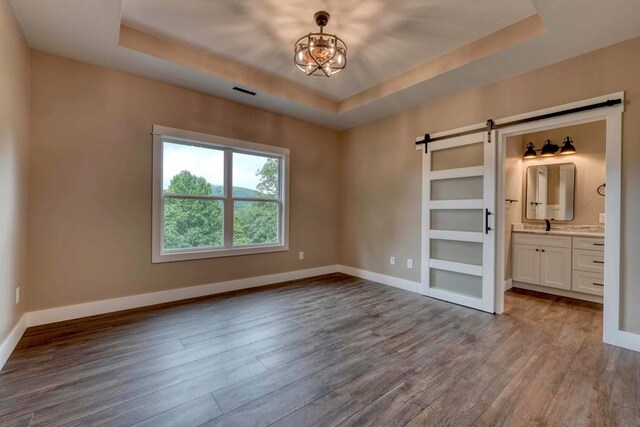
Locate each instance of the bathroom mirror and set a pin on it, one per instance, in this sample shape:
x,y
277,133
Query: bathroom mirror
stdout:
x,y
550,191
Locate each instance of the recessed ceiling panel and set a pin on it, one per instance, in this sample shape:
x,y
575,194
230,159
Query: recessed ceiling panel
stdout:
x,y
385,38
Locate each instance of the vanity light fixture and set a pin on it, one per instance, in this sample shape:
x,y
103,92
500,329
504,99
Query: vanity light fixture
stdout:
x,y
550,149
320,54
567,147
530,152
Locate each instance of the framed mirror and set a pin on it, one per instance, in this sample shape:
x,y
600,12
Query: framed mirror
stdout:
x,y
550,192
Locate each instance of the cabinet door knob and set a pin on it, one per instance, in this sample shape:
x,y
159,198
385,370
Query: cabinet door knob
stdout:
x,y
537,250
543,250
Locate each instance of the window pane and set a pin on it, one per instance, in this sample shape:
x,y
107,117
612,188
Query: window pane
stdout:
x,y
190,223
255,223
255,176
187,169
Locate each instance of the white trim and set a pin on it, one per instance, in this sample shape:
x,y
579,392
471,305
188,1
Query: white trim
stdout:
x,y
158,255
613,116
629,340
460,236
508,284
568,106
425,226
489,236
457,267
396,282
612,229
457,204
69,312
220,141
11,341
560,292
457,173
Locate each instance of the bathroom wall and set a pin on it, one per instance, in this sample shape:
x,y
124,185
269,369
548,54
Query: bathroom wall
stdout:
x,y
589,140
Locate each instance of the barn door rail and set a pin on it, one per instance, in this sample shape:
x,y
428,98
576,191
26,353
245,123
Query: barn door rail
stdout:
x,y
426,140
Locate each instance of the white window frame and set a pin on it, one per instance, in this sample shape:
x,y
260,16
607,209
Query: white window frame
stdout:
x,y
162,133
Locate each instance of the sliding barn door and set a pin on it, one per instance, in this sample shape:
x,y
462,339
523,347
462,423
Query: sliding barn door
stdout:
x,y
458,248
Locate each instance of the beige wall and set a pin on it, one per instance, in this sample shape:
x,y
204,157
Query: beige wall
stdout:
x,y
512,190
589,140
380,169
90,184
14,156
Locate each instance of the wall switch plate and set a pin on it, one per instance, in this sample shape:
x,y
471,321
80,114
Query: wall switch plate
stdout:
x,y
601,218
18,295
301,255
392,260
409,263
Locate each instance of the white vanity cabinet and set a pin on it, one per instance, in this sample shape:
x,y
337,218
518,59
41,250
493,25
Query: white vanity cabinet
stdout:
x,y
542,260
574,265
588,265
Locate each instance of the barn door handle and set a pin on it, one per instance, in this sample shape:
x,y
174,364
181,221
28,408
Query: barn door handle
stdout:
x,y
486,221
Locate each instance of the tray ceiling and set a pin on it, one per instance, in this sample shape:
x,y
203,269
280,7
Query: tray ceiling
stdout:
x,y
384,38
403,53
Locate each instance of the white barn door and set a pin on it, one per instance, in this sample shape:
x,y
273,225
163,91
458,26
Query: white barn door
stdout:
x,y
458,236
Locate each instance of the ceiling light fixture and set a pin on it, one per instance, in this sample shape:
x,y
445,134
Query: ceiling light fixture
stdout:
x,y
320,54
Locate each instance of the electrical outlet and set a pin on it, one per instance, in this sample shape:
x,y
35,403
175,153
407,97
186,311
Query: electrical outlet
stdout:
x,y
601,218
392,260
409,263
18,295
301,255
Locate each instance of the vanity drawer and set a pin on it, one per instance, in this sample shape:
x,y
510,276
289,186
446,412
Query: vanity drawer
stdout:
x,y
589,243
542,240
589,283
585,260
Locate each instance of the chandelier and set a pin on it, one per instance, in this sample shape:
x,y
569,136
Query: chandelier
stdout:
x,y
320,54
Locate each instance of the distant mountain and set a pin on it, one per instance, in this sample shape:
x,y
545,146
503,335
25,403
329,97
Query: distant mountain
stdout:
x,y
218,190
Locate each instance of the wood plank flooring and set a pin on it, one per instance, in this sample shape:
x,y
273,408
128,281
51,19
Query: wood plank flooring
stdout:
x,y
326,351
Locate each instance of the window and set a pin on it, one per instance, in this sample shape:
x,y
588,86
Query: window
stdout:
x,y
215,196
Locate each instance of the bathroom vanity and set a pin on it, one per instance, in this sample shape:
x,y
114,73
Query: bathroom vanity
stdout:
x,y
567,262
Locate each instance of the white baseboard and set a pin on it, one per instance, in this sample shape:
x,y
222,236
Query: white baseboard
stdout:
x,y
508,284
396,282
628,340
10,342
625,339
559,292
70,312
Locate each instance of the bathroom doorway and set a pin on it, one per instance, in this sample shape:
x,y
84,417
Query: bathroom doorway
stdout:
x,y
552,225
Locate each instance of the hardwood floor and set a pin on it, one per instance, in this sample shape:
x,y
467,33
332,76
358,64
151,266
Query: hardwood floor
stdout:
x,y
332,350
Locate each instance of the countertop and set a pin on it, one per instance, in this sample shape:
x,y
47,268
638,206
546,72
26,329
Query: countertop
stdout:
x,y
564,230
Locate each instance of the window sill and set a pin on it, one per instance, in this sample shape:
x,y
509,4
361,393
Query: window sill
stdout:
x,y
216,253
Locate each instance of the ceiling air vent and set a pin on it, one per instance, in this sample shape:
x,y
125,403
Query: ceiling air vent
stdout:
x,y
248,92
